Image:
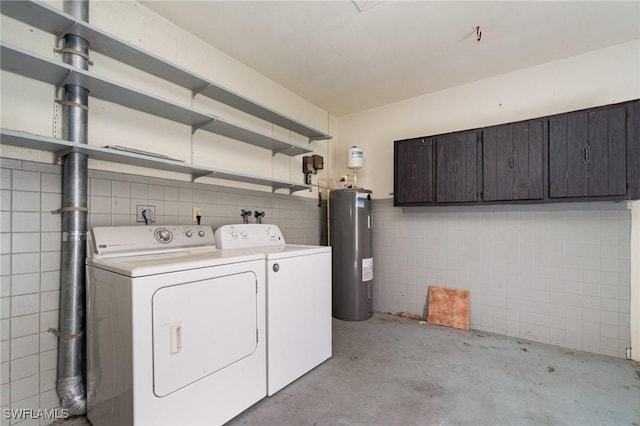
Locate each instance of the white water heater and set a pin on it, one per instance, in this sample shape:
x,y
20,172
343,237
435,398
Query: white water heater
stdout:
x,y
355,158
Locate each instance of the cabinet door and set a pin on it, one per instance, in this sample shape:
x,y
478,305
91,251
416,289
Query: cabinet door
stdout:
x,y
607,156
457,166
633,149
413,169
587,156
513,161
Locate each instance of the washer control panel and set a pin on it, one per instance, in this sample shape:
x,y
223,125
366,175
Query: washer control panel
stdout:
x,y
248,235
126,240
164,235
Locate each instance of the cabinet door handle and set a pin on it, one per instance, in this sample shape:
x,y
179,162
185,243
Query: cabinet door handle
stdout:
x,y
512,161
414,174
455,167
586,154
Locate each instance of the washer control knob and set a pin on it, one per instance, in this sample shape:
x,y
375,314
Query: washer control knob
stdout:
x,y
276,267
163,235
189,234
244,234
234,234
201,233
271,232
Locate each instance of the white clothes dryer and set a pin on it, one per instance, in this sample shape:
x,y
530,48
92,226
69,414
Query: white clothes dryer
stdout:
x,y
298,299
175,328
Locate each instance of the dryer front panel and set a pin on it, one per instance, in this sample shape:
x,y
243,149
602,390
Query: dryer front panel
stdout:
x,y
202,327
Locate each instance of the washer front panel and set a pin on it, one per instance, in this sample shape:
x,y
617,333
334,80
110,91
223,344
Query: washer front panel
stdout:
x,y
300,287
122,370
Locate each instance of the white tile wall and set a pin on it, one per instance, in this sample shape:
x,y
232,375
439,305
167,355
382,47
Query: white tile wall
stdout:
x,y
30,254
25,325
114,197
23,346
557,274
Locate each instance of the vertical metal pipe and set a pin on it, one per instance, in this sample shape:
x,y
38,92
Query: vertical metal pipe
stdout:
x,y
77,8
71,343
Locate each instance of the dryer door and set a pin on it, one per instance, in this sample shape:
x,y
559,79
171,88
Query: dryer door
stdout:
x,y
202,327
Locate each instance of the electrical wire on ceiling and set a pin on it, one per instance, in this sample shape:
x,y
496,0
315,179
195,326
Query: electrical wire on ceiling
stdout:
x,y
364,5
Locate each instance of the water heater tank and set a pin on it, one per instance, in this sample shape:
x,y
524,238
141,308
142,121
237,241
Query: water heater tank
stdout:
x,y
351,232
355,158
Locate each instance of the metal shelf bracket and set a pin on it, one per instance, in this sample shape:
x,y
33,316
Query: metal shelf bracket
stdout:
x,y
199,174
200,125
276,186
275,152
198,90
60,35
281,151
60,85
63,152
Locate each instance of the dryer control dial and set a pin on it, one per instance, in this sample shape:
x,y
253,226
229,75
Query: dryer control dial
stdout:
x,y
189,234
163,235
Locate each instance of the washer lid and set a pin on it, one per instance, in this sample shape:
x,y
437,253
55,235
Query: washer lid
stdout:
x,y
163,263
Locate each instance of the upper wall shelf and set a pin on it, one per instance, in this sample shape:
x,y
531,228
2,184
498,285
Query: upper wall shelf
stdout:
x,y
40,68
62,147
59,23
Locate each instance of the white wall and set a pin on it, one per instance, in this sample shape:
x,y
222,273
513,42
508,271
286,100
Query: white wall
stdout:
x,y
552,273
635,280
28,105
30,254
30,236
595,316
596,78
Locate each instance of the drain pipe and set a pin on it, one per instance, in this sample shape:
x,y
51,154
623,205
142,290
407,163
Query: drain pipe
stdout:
x,y
71,342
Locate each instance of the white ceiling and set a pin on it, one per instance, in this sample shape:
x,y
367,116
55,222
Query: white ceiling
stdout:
x,y
345,60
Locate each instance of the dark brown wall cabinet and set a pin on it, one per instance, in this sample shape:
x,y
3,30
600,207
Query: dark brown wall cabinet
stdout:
x,y
592,154
413,167
513,161
587,153
457,167
633,150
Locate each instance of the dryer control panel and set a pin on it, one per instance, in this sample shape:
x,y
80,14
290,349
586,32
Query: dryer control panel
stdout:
x,y
248,235
128,240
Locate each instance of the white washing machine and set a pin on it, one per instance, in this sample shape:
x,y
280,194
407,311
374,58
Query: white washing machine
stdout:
x,y
298,299
175,328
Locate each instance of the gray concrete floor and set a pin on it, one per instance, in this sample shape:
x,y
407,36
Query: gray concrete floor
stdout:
x,y
394,371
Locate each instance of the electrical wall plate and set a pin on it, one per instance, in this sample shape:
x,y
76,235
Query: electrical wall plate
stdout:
x,y
145,210
197,211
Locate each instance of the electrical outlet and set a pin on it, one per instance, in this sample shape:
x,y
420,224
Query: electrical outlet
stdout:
x,y
197,211
148,211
